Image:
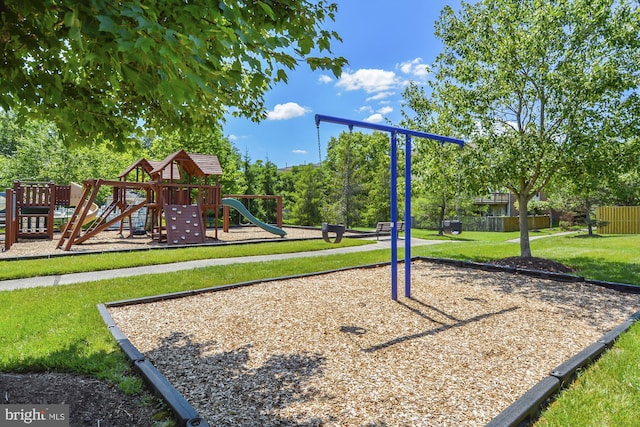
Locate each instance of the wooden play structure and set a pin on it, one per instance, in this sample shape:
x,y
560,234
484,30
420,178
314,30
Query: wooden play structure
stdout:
x,y
174,196
177,193
30,208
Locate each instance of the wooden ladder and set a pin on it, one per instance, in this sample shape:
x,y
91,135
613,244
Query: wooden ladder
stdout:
x,y
74,227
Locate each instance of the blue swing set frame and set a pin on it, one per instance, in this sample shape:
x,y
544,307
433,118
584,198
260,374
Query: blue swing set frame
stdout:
x,y
394,132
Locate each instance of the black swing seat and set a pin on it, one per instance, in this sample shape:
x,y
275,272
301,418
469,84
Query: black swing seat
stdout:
x,y
452,226
338,229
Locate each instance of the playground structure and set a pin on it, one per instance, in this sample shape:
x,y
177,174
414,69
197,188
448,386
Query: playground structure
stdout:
x,y
177,195
231,200
179,188
29,209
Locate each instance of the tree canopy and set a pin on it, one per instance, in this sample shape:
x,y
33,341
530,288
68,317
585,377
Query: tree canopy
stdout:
x,y
103,69
356,178
528,81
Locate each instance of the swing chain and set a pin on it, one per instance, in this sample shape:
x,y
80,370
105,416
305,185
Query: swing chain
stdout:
x,y
325,209
459,183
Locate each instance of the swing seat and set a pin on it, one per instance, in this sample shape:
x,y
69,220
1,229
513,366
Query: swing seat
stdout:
x,y
452,227
338,229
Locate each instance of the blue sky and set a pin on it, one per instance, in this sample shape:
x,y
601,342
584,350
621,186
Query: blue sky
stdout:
x,y
387,43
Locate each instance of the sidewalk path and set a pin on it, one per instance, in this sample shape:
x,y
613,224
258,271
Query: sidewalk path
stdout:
x,y
542,236
67,279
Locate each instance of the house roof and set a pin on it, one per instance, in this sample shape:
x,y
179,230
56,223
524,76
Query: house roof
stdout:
x,y
166,172
180,158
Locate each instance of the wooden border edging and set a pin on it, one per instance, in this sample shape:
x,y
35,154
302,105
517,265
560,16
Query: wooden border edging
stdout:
x,y
526,409
187,416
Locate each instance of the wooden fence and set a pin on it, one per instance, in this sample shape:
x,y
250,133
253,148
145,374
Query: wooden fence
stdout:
x,y
618,219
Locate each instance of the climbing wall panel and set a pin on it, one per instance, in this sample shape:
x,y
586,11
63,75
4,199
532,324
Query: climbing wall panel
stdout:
x,y
184,224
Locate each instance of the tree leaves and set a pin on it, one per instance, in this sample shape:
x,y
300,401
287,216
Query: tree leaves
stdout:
x,y
161,64
527,80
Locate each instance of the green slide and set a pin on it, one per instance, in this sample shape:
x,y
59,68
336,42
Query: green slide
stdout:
x,y
235,204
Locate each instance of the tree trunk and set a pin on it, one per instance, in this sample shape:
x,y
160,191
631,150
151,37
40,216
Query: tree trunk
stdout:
x,y
441,219
587,213
525,247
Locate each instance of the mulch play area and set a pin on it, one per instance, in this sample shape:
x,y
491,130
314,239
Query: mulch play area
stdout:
x,y
334,349
114,241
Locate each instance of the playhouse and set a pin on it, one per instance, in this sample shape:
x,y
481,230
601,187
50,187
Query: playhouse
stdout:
x,y
175,197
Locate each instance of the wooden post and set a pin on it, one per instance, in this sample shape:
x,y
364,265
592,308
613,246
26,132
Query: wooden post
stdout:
x,y
279,213
51,193
10,219
225,219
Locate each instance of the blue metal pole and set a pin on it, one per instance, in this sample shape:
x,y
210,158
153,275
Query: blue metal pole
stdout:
x,y
394,189
385,128
394,216
407,217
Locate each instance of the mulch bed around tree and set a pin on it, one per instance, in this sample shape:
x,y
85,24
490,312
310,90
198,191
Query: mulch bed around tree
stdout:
x,y
91,402
533,263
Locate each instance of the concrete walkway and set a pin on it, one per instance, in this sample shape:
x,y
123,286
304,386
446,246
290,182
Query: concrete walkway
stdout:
x,y
542,236
67,279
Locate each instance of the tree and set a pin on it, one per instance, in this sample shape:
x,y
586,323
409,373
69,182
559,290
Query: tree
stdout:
x,y
34,152
627,189
344,176
9,133
357,178
108,70
268,181
308,198
376,162
208,141
589,179
521,76
440,170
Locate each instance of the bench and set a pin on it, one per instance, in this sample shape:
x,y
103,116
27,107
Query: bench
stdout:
x,y
385,228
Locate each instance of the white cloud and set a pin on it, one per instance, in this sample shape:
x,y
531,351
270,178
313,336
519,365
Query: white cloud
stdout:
x,y
374,118
365,109
299,151
325,79
415,68
369,80
379,96
287,111
385,110
233,137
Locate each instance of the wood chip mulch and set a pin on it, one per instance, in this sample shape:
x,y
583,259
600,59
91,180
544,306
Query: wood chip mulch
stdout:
x,y
335,350
114,241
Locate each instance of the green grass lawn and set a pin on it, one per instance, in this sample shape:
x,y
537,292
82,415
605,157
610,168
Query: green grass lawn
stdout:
x,y
60,329
18,269
613,258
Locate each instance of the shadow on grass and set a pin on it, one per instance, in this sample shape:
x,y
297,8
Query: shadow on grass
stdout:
x,y
228,388
436,236
610,271
587,236
107,365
